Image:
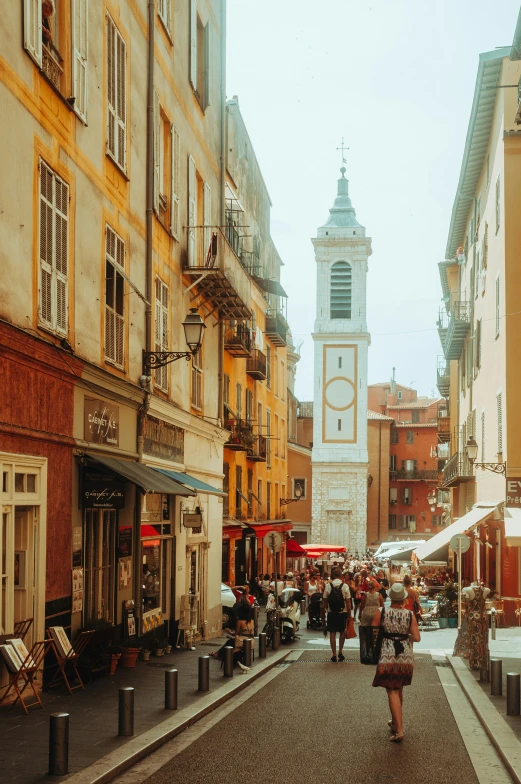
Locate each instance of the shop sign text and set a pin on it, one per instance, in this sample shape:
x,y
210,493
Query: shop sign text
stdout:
x,y
101,424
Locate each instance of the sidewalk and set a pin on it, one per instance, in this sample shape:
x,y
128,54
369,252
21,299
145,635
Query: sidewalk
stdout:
x,y
94,713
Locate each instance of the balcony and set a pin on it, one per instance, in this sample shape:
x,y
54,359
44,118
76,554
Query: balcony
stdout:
x,y
454,327
242,437
443,377
443,426
414,475
217,275
259,451
276,328
458,470
51,64
256,366
238,340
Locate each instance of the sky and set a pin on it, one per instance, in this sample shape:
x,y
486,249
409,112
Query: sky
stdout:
x,y
396,79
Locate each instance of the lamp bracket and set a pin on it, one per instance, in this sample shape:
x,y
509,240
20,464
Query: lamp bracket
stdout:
x,y
497,468
286,501
157,359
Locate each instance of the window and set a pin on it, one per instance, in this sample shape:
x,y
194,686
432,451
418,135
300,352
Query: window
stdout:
x,y
498,204
226,489
300,483
399,394
268,500
99,550
463,370
283,438
402,521
268,366
392,521
394,435
197,381
275,375
415,417
406,495
238,400
175,216
226,395
482,436
24,483
497,307
340,363
392,462
79,27
437,520
161,332
163,164
276,435
484,247
341,290
249,406
259,498
114,297
199,57
268,439
411,522
477,346
53,251
238,492
488,172
409,436
339,424
116,95
164,11
499,403
282,381
393,495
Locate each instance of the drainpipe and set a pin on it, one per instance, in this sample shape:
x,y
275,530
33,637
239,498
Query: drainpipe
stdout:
x,y
222,210
379,478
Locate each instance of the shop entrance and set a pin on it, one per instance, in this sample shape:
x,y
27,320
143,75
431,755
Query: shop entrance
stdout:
x,y
99,552
24,568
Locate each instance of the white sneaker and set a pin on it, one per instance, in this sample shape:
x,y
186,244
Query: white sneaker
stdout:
x,y
243,667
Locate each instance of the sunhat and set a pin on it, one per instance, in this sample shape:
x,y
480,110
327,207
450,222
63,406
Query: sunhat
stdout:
x,y
397,592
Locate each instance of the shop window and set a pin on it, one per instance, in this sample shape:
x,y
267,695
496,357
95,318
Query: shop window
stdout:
x,y
5,481
99,551
24,483
153,575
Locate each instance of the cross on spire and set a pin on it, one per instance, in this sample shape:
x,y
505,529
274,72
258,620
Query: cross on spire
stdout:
x,y
343,147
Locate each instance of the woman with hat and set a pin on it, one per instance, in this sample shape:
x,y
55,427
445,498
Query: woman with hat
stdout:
x,y
395,667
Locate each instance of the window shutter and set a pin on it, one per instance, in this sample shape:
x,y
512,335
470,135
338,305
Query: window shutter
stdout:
x,y
485,247
207,218
499,400
497,306
80,52
111,87
114,297
192,211
206,95
116,94
122,100
161,331
193,43
483,436
175,219
62,253
157,152
46,245
53,250
33,29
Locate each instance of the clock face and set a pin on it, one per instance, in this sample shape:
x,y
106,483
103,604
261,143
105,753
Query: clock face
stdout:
x,y
340,393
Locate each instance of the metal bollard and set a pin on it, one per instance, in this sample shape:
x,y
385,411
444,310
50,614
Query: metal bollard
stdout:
x,y
276,638
493,623
513,693
303,607
228,662
262,645
126,711
247,652
59,744
255,621
204,673
496,677
171,684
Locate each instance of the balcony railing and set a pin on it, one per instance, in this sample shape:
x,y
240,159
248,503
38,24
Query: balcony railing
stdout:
x,y
457,471
414,475
259,450
51,65
242,438
276,328
443,427
443,377
256,365
453,329
238,340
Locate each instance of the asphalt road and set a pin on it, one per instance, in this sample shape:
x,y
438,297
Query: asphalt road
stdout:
x,y
323,722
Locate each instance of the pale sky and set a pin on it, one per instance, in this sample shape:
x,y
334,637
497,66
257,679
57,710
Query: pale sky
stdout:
x,y
396,78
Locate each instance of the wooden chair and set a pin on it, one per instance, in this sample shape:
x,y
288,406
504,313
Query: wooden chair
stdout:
x,y
67,655
22,627
22,673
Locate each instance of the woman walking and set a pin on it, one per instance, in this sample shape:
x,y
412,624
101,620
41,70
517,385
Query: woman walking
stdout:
x,y
396,662
370,603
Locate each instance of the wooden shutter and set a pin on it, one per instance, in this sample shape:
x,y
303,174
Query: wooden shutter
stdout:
x,y
206,88
79,57
483,436
53,250
485,247
161,331
114,297
62,253
175,219
497,306
499,400
193,43
116,94
33,29
207,218
46,245
192,210
157,152
111,87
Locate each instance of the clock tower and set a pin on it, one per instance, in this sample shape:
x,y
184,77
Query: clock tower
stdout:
x,y
341,342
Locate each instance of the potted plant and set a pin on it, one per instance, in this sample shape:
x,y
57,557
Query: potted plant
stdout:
x,y
158,646
145,654
115,655
168,646
443,610
451,592
128,656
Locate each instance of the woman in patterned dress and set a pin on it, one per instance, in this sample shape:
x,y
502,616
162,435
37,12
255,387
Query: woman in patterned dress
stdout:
x,y
396,662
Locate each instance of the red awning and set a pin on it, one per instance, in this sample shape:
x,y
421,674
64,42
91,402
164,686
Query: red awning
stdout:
x,y
265,528
324,548
312,554
293,548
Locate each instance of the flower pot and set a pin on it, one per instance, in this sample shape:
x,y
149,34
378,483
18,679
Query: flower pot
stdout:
x,y
443,622
114,658
453,623
145,655
159,651
129,657
168,648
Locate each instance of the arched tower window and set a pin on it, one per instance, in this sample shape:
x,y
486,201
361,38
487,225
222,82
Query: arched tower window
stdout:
x,y
341,290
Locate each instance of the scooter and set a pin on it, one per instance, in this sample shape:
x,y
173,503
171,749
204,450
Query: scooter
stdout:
x,y
289,602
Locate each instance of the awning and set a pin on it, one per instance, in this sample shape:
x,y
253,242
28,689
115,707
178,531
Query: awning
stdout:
x,y
271,286
293,548
324,548
261,529
192,483
512,527
477,514
148,478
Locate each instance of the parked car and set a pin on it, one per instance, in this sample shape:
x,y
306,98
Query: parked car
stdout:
x,y
227,601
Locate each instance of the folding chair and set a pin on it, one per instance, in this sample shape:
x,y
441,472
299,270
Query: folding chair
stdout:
x,y
22,627
22,673
66,655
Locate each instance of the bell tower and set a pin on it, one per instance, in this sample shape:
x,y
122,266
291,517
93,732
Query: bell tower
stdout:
x,y
341,342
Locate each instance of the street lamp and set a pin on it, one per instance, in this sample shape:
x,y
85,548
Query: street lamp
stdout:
x,y
471,448
298,496
194,327
432,500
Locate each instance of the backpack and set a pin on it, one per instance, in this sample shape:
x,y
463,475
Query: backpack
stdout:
x,y
336,601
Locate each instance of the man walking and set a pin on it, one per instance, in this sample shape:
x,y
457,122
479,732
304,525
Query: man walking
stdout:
x,y
337,601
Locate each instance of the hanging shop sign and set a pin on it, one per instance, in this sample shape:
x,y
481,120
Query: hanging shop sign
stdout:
x,y
164,440
101,424
124,541
513,494
193,521
103,492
